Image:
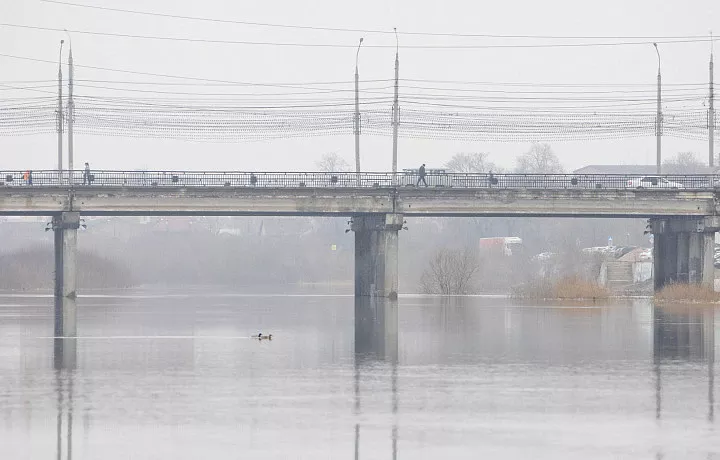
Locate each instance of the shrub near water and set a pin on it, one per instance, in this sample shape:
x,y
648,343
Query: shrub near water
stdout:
x,y
684,292
570,287
578,288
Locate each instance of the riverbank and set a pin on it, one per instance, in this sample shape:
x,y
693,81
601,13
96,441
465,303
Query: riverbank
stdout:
x,y
687,293
570,287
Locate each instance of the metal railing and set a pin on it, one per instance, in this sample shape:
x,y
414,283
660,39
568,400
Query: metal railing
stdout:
x,y
352,180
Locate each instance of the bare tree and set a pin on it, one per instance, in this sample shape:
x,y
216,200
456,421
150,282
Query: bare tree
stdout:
x,y
540,159
471,163
450,272
332,162
684,163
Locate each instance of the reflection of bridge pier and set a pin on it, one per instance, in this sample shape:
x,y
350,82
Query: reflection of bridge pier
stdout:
x,y
64,421
376,340
687,336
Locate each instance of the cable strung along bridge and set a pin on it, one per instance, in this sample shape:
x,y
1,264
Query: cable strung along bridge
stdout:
x,y
231,123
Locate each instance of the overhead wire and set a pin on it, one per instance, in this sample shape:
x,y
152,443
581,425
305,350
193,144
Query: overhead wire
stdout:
x,y
431,112
365,31
643,42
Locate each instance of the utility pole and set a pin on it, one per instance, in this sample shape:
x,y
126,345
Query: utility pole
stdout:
x,y
711,114
60,115
357,115
71,115
658,121
396,109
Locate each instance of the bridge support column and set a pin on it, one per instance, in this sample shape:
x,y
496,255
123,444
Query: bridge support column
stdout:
x,y
708,277
695,268
65,226
684,250
683,259
376,254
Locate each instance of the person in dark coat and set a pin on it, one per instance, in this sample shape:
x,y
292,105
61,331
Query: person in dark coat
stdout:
x,y
421,176
86,174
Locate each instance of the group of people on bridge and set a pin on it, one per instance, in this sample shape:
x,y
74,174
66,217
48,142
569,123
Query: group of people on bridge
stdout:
x,y
87,176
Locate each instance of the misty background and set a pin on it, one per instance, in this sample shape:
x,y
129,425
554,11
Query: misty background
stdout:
x,y
526,55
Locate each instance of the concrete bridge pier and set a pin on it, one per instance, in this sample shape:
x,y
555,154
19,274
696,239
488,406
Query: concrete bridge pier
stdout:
x,y
65,225
684,250
376,254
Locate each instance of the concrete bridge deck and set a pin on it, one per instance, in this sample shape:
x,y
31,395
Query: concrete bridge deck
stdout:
x,y
348,194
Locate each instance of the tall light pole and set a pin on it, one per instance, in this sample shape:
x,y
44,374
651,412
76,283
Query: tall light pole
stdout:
x,y
357,114
711,113
60,114
658,120
396,109
70,112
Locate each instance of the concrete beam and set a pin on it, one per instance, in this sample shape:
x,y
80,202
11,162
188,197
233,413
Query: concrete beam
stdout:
x,y
695,251
658,258
708,258
409,201
687,225
670,257
683,248
376,255
65,226
539,202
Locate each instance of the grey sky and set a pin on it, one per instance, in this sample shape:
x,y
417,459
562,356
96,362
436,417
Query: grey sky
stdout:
x,y
682,63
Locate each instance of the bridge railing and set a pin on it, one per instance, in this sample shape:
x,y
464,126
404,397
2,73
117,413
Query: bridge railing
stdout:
x,y
407,179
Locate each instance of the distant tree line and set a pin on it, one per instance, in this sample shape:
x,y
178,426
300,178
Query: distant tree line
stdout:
x,y
33,268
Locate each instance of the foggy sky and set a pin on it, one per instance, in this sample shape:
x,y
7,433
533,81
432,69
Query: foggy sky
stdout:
x,y
681,63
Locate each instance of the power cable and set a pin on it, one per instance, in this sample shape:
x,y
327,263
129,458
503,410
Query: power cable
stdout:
x,y
353,46
368,31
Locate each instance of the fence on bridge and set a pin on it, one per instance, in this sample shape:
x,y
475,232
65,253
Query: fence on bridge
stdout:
x,y
52,178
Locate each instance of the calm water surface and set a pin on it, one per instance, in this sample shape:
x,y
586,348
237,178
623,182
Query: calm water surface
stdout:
x,y
173,375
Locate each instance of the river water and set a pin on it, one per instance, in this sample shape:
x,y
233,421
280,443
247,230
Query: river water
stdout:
x,y
173,375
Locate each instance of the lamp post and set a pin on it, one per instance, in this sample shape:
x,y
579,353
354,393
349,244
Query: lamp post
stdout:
x,y
70,112
711,114
658,120
60,114
357,115
396,110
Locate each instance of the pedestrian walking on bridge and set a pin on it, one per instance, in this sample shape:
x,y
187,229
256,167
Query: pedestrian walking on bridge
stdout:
x,y
421,176
86,174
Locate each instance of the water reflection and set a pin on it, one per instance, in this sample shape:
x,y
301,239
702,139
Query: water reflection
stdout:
x,y
64,422
684,334
64,353
64,350
376,342
479,376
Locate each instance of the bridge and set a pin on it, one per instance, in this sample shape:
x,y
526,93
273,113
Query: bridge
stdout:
x,y
350,194
684,212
